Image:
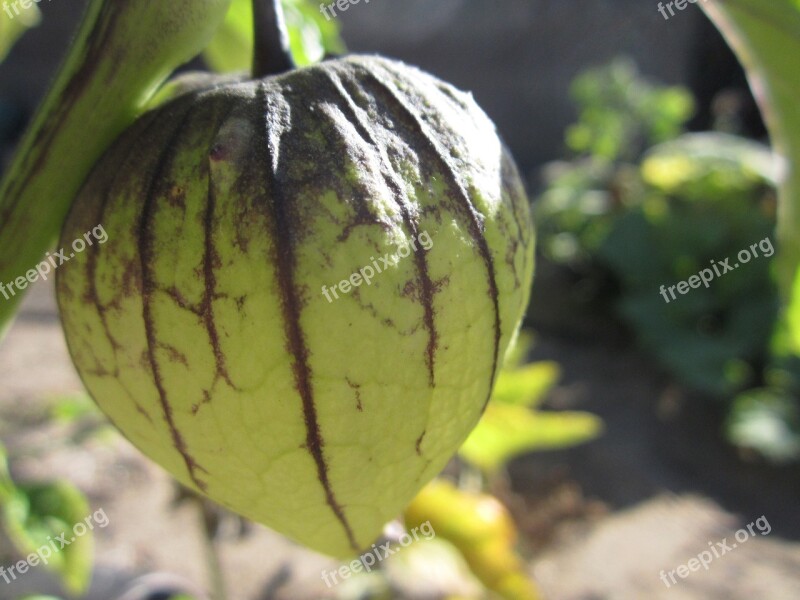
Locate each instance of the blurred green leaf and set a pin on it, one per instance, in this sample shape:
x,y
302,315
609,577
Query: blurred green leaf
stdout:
x,y
7,486
700,336
508,430
527,385
621,112
311,36
68,409
767,421
12,29
231,49
33,515
709,166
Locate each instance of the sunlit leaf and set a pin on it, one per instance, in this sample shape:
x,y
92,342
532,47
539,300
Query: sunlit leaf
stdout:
x,y
68,409
35,515
311,36
507,430
527,385
767,421
621,112
705,166
12,29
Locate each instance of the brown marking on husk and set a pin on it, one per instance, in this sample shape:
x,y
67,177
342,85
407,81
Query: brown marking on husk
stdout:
x,y
284,260
475,224
146,252
357,389
426,289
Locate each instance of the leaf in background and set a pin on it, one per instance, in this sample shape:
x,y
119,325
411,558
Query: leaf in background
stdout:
x,y
68,409
7,487
767,421
706,166
311,36
12,29
231,49
527,385
507,430
35,514
621,112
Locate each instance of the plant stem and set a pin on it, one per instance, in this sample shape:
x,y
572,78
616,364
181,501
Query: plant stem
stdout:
x,y
123,51
272,54
213,564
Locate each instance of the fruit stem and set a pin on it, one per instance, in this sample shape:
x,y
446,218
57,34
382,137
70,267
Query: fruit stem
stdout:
x,y
272,54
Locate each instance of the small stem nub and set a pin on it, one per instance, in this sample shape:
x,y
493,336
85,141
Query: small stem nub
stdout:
x,y
272,54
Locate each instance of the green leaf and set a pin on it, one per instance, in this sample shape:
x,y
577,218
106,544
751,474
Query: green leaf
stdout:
x,y
767,421
231,49
707,166
68,409
12,29
7,486
35,515
526,386
620,112
508,430
311,36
